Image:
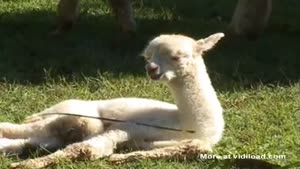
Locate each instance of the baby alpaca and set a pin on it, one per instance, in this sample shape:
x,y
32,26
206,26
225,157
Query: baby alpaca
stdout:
x,y
175,60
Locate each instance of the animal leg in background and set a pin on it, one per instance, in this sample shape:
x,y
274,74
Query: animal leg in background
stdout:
x,y
124,15
250,17
68,11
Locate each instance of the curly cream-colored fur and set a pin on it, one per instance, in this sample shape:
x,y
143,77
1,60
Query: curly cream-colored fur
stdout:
x,y
189,149
174,59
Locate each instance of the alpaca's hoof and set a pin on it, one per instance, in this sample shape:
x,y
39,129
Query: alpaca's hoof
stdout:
x,y
16,166
28,164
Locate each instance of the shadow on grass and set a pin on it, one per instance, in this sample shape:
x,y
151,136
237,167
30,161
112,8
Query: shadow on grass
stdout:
x,y
27,52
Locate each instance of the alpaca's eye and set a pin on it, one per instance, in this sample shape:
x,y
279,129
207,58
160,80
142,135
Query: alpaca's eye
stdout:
x,y
175,58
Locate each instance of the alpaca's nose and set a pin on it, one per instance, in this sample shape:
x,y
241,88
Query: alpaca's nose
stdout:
x,y
151,67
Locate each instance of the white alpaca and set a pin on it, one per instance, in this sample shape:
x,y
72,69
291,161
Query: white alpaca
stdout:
x,y
173,59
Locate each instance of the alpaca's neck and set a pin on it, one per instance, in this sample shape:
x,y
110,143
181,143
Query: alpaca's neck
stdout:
x,y
197,101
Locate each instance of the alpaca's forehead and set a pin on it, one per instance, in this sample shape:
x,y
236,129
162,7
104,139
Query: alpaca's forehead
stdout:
x,y
170,45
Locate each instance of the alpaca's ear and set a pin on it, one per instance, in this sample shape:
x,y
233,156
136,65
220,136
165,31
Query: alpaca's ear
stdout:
x,y
209,42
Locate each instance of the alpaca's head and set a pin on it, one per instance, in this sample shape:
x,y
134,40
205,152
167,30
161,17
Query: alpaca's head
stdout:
x,y
172,56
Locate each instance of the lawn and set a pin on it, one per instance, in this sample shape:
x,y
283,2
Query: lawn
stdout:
x,y
257,81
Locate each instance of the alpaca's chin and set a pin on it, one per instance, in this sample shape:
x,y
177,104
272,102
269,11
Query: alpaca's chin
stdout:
x,y
166,77
155,76
170,75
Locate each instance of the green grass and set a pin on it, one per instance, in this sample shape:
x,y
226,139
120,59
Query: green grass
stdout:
x,y
257,82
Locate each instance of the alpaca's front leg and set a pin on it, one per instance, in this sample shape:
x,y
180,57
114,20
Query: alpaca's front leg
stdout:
x,y
124,14
183,150
90,149
16,131
68,11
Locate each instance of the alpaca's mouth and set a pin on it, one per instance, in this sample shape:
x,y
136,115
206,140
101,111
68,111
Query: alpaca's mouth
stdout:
x,y
155,76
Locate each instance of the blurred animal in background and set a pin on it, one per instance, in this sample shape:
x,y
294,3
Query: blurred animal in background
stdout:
x,y
68,11
249,19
